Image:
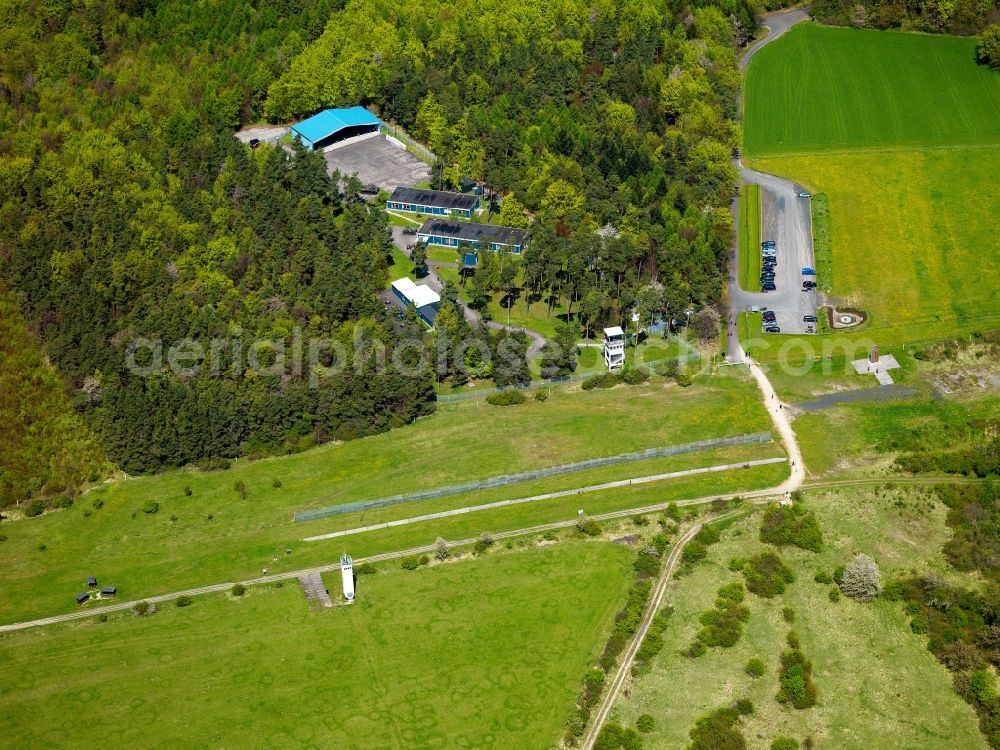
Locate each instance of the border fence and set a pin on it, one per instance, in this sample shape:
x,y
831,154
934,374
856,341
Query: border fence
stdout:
x,y
552,471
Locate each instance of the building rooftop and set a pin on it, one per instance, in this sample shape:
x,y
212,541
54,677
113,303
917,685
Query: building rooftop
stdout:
x,y
615,331
419,294
330,121
467,231
437,198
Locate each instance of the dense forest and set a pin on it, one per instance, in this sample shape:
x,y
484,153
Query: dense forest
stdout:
x,y
130,212
582,114
962,17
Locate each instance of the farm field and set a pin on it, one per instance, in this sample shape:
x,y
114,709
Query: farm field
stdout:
x,y
211,535
819,88
875,678
900,133
266,670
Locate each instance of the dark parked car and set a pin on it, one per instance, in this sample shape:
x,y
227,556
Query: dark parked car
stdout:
x,y
808,284
254,142
768,286
808,318
770,317
772,329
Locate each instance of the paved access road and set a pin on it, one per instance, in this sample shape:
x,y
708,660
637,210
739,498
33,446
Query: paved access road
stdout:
x,y
786,218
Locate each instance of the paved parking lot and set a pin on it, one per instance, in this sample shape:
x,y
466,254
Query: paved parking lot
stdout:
x,y
786,218
377,162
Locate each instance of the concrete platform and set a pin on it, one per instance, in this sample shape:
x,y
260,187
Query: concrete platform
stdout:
x,y
879,369
377,162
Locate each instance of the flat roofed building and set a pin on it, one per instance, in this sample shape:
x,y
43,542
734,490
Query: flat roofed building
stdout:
x,y
432,202
454,233
333,125
421,296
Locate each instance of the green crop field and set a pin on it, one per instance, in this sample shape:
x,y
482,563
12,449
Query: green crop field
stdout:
x,y
749,238
212,535
487,653
821,89
875,678
901,135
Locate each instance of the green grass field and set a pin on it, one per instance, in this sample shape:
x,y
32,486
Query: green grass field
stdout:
x,y
826,89
147,554
485,653
875,678
749,238
901,134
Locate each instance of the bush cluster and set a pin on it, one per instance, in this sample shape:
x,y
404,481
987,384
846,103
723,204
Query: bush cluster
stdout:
x,y
588,526
652,644
614,736
184,601
765,574
718,730
723,625
795,678
410,562
791,525
150,507
628,376
755,668
506,398
238,589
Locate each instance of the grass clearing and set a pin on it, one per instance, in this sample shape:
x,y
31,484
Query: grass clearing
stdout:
x,y
875,678
145,554
819,88
416,662
749,238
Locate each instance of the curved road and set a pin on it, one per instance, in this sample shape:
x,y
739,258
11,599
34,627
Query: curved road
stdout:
x,y
786,218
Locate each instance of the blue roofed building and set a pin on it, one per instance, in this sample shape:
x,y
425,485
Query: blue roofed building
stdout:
x,y
333,125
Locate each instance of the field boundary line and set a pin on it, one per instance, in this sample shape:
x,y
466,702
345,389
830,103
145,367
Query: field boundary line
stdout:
x,y
547,496
506,480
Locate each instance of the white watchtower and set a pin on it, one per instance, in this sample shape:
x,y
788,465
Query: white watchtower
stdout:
x,y
614,348
347,573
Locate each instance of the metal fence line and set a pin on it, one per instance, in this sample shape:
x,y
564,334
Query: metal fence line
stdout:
x,y
508,479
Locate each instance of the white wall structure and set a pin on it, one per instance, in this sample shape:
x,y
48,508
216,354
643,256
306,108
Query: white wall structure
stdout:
x,y
347,573
614,348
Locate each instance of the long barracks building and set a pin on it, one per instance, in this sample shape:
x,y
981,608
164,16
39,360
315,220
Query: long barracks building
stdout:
x,y
432,202
454,233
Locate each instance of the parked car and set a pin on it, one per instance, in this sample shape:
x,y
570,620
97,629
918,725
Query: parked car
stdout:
x,y
772,329
808,284
808,271
768,243
768,286
254,142
808,318
770,317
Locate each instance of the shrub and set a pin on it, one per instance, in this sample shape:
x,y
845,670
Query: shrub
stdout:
x,y
238,589
696,649
588,526
755,668
861,579
63,501
97,503
42,548
838,574
3,537
140,608
484,542
791,525
788,614
184,601
673,512
103,617
893,591
173,517
834,594
187,491
646,565
766,575
795,680
441,549
667,368
744,707
694,551
823,577
240,489
276,484
410,562
365,569
150,507
707,535
684,378
34,508
506,398
542,395
634,376
717,731
616,737
645,723
424,560
784,743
